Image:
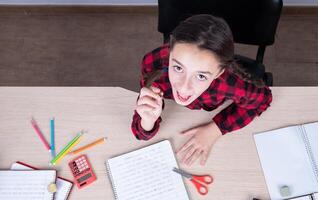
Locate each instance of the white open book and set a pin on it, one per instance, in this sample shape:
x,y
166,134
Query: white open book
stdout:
x,y
146,174
289,157
26,185
64,186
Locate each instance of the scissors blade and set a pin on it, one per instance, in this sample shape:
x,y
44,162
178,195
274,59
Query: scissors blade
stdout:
x,y
182,173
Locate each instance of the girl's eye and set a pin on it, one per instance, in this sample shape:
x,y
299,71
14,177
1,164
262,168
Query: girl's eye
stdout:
x,y
202,77
177,68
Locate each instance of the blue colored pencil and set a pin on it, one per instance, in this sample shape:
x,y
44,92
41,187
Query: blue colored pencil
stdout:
x,y
52,138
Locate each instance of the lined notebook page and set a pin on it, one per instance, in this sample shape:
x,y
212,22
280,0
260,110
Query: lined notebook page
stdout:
x,y
146,174
63,187
26,185
285,161
312,135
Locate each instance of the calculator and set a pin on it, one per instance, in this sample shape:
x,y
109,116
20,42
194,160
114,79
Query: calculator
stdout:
x,y
82,171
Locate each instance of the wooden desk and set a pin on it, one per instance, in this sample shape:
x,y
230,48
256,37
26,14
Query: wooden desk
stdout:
x,y
108,112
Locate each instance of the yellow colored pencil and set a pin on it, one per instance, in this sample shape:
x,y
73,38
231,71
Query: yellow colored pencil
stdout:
x,y
67,149
63,155
99,141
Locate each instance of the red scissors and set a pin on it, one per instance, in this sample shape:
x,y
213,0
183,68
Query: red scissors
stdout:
x,y
200,181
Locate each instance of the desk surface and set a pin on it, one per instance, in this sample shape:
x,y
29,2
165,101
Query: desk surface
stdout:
x,y
107,111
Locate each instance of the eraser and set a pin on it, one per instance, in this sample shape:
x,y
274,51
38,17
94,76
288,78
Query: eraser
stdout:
x,y
284,191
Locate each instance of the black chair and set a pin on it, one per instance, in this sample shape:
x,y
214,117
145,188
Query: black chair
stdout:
x,y
252,22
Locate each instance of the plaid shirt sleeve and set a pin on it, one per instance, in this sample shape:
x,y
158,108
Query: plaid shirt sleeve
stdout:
x,y
249,101
150,62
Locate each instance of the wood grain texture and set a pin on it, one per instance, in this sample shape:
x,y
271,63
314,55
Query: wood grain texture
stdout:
x,y
107,112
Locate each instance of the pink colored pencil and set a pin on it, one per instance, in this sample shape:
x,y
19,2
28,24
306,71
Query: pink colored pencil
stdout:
x,y
40,134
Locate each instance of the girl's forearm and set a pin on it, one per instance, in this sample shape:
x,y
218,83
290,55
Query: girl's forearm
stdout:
x,y
147,125
215,129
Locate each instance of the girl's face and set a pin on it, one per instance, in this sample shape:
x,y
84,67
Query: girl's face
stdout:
x,y
191,71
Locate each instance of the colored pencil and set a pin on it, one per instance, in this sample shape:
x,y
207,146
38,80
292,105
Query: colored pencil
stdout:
x,y
100,141
40,134
67,148
52,123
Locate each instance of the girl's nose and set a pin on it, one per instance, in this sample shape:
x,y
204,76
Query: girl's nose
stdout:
x,y
186,86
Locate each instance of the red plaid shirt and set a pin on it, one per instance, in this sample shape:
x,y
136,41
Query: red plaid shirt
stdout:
x,y
249,101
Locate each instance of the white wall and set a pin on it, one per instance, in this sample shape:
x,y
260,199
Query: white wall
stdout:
x,y
124,2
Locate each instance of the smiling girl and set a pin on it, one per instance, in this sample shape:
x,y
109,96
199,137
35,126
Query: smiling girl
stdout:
x,y
197,70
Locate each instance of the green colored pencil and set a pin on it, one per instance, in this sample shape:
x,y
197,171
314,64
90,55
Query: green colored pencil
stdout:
x,y
66,149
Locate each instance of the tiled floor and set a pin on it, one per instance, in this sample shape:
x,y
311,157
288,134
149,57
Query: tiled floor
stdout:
x,y
106,49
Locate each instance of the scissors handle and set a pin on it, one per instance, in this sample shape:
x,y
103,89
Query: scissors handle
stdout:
x,y
202,189
207,179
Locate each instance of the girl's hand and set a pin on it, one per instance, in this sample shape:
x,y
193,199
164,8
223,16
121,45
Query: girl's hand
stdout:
x,y
149,106
200,144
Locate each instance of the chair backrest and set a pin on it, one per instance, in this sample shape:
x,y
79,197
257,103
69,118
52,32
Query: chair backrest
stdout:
x,y
252,22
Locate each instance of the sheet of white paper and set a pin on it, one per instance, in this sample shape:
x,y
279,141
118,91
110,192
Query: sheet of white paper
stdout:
x,y
285,162
26,185
63,187
312,135
146,174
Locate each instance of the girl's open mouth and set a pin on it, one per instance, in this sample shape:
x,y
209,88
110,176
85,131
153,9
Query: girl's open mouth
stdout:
x,y
183,99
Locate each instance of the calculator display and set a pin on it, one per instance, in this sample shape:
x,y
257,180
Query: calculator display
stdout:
x,y
83,178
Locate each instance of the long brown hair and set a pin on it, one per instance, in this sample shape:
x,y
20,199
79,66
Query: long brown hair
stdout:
x,y
213,34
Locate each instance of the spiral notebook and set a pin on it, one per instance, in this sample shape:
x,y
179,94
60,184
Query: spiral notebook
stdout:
x,y
289,157
146,174
63,185
26,185
307,197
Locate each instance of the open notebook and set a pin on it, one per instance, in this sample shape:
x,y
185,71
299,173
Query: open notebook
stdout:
x,y
307,197
64,186
146,174
26,185
289,157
